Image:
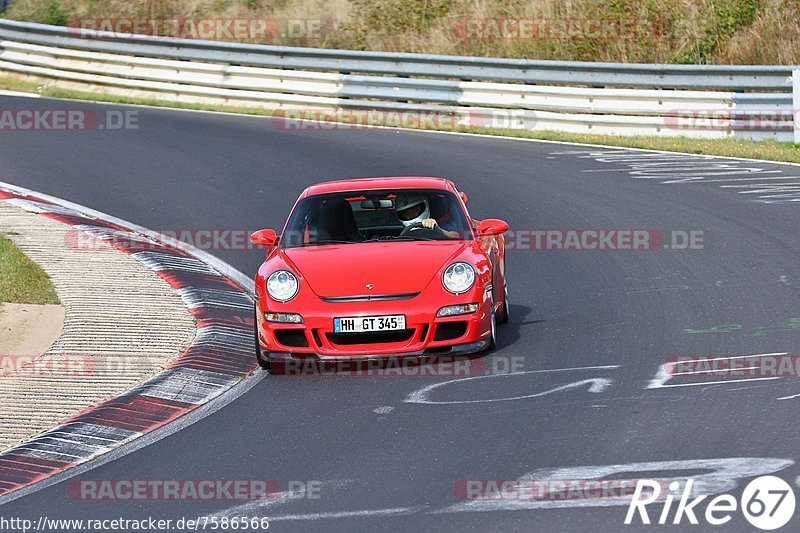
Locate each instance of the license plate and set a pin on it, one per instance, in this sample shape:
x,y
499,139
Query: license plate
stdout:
x,y
365,324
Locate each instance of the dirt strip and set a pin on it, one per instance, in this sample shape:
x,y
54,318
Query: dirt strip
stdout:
x,y
27,330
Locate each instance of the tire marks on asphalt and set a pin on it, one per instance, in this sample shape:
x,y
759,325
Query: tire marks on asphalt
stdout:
x,y
779,183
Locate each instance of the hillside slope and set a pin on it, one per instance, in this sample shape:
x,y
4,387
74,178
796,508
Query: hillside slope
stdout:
x,y
675,31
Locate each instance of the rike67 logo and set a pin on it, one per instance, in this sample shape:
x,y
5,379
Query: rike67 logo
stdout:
x,y
768,503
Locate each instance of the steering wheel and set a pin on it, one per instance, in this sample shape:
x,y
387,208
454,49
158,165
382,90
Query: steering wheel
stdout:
x,y
418,225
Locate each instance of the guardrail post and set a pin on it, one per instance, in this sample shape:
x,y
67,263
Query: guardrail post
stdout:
x,y
796,104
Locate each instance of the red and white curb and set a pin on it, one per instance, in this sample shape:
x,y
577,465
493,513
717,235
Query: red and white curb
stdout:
x,y
219,357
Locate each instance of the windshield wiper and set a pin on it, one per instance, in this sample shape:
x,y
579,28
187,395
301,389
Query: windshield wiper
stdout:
x,y
403,238
323,242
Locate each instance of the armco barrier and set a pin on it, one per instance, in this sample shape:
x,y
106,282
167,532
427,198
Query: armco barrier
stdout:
x,y
629,99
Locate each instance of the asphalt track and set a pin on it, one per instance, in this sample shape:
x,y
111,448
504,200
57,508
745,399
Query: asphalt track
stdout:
x,y
606,320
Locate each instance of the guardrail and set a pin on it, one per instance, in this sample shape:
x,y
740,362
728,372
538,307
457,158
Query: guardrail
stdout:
x,y
629,99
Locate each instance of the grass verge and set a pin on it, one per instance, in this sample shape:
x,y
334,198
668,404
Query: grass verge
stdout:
x,y
767,150
21,280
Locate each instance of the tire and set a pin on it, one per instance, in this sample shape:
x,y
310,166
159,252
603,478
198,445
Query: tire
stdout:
x,y
493,336
504,315
261,362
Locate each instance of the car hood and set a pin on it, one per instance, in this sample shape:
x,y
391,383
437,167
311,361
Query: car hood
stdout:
x,y
390,267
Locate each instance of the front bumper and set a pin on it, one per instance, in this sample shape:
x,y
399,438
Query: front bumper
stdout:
x,y
456,350
425,334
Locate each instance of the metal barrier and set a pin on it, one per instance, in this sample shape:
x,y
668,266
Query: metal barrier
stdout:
x,y
627,99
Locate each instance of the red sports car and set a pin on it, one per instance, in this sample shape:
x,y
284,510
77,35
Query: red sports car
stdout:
x,y
379,268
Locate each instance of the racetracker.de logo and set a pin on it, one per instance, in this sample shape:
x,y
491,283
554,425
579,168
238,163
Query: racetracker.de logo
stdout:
x,y
558,29
443,366
399,367
732,119
734,366
353,119
91,240
48,365
60,365
192,489
67,120
543,490
609,239
242,29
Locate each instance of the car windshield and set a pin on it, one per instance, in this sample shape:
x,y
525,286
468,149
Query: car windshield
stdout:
x,y
376,216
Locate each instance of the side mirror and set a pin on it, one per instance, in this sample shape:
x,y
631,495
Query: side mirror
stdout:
x,y
463,197
492,226
264,237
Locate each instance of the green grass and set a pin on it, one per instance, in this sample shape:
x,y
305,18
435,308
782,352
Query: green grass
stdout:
x,y
21,280
14,83
765,150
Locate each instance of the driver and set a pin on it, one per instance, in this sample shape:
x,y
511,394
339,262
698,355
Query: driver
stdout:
x,y
416,210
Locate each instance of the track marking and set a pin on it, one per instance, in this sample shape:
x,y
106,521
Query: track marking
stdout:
x,y
596,385
665,373
247,509
753,179
285,497
719,475
347,514
602,367
19,94
711,371
692,169
714,382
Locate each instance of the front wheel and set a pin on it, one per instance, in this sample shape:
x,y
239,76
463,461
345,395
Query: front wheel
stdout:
x,y
502,318
493,336
261,362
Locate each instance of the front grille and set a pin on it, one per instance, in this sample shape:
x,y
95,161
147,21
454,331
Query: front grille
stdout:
x,y
317,340
450,330
368,298
424,333
402,335
292,337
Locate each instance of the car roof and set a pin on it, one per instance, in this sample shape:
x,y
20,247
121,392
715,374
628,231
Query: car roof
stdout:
x,y
364,184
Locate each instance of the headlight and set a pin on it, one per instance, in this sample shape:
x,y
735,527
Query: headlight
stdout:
x,y
458,277
283,318
455,310
282,285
